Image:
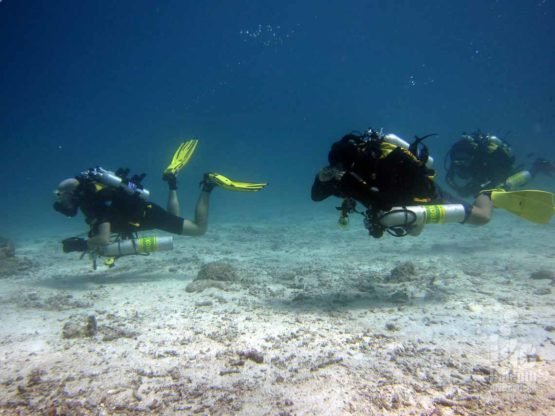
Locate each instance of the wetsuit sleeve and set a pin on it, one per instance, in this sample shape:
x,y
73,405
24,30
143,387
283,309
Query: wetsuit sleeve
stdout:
x,y
322,190
95,206
350,185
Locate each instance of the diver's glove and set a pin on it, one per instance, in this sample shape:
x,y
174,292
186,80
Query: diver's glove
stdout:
x,y
329,173
542,166
72,244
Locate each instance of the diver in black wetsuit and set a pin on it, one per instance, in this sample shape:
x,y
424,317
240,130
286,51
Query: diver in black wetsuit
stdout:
x,y
124,210
379,172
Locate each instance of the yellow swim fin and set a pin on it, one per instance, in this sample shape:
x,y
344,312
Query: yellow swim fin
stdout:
x,y
534,206
231,185
181,157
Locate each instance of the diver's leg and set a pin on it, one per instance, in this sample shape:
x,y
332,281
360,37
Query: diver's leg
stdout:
x,y
173,203
101,236
481,210
200,223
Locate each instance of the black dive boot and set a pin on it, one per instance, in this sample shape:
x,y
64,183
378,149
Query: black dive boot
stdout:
x,y
171,179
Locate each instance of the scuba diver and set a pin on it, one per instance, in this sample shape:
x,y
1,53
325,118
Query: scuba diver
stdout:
x,y
480,161
394,181
116,205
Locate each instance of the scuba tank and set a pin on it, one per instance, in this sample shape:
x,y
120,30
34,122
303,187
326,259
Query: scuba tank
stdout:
x,y
397,141
517,180
143,245
110,178
423,214
400,221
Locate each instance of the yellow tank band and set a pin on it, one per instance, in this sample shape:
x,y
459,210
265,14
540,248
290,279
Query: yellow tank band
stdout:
x,y
147,244
435,214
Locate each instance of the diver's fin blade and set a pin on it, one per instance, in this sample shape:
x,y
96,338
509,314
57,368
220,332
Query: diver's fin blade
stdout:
x,y
182,156
185,152
534,206
231,185
176,156
247,185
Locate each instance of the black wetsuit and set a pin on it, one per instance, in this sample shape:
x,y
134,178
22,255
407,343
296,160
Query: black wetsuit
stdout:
x,y
474,164
395,180
126,213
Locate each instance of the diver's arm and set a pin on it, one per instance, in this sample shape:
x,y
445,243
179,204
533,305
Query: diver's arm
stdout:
x,y
321,190
101,238
326,183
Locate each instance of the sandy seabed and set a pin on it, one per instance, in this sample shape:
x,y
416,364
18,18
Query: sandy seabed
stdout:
x,y
293,317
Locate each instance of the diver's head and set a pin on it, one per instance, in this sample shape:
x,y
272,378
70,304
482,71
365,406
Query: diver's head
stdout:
x,y
374,134
477,135
462,164
344,152
66,198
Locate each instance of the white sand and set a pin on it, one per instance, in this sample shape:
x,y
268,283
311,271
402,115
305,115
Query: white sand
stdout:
x,y
470,334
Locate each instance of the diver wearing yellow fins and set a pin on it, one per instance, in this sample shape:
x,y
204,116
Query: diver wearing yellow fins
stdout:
x,y
116,204
394,181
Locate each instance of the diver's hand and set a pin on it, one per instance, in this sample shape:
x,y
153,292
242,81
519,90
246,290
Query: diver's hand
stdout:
x,y
330,173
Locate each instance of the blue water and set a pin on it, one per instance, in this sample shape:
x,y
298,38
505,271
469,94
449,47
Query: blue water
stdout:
x,y
266,86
